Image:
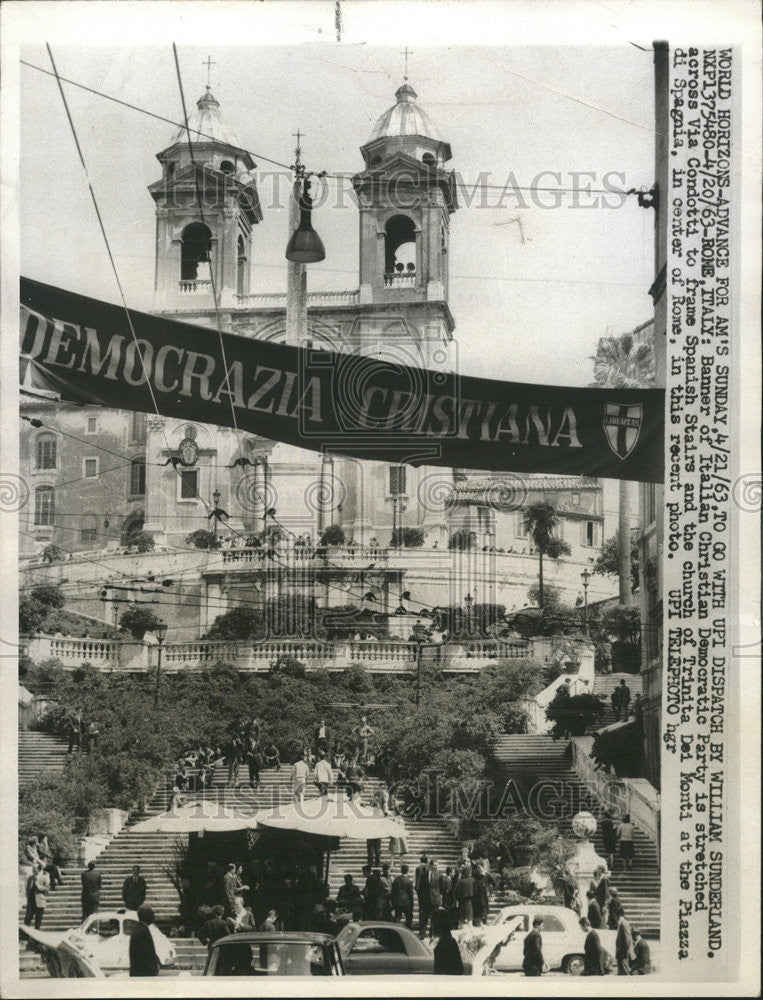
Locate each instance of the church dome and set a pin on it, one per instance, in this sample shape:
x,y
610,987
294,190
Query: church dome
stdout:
x,y
206,124
404,118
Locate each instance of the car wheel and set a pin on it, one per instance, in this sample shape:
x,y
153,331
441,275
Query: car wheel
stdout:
x,y
574,965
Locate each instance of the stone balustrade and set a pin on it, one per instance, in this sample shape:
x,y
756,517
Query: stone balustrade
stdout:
x,y
339,555
277,300
384,656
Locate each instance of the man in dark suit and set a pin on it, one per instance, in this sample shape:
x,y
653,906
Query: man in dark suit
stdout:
x,y
402,897
533,950
143,958
594,916
91,890
230,888
214,928
593,956
642,963
438,885
134,889
422,893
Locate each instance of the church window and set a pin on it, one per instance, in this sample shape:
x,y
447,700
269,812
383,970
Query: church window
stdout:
x,y
397,480
44,505
429,160
138,477
520,528
47,451
399,251
196,249
227,167
138,428
189,484
89,528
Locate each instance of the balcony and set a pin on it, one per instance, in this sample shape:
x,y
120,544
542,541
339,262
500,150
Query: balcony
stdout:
x,y
195,287
400,279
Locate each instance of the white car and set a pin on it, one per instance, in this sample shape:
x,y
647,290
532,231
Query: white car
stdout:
x,y
499,944
101,942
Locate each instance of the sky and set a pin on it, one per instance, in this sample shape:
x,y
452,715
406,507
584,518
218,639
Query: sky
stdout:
x,y
529,305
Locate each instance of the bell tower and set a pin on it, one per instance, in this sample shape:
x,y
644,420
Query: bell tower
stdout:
x,y
206,208
406,196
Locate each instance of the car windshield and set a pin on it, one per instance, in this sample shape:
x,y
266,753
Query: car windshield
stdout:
x,y
292,958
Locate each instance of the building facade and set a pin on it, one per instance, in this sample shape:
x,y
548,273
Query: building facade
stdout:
x,y
168,476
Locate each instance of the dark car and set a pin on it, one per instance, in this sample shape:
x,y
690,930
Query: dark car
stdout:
x,y
371,947
291,953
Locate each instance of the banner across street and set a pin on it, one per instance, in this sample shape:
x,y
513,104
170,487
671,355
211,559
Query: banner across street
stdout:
x,y
90,352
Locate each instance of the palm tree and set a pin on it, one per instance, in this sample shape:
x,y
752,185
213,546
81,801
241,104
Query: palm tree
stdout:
x,y
541,520
623,364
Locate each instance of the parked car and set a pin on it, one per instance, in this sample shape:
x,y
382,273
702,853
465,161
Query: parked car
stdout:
x,y
369,947
292,953
563,938
101,942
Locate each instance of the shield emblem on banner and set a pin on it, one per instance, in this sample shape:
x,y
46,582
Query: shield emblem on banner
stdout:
x,y
622,425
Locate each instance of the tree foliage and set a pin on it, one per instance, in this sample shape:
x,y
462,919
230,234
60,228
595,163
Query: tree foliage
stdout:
x,y
333,535
541,521
140,540
607,563
573,715
137,621
238,623
533,843
409,538
48,595
202,538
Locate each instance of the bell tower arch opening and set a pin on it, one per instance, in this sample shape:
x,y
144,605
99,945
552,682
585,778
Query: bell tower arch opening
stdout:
x,y
195,252
399,250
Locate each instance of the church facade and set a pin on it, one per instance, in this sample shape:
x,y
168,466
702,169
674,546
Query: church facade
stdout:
x,y
96,476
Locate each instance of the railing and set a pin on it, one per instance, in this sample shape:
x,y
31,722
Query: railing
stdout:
x,y
85,650
400,280
291,555
195,287
382,656
277,300
497,649
199,652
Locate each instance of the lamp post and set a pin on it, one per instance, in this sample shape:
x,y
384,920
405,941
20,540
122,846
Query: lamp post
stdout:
x,y
160,630
216,510
585,576
468,602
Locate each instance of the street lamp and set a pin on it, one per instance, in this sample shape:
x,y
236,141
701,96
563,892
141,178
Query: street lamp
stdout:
x,y
216,511
159,630
585,576
468,602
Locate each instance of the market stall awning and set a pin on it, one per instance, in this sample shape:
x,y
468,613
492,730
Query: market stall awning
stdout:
x,y
203,815
332,816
